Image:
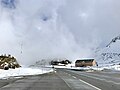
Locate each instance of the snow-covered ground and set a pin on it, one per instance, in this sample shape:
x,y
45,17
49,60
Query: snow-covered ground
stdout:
x,y
94,68
19,72
81,68
112,67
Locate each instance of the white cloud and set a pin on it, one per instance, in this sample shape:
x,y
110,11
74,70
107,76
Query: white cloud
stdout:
x,y
55,28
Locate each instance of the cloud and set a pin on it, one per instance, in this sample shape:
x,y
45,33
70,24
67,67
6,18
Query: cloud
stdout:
x,y
57,28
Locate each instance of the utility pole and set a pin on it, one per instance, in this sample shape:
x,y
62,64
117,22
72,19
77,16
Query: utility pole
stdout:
x,y
21,45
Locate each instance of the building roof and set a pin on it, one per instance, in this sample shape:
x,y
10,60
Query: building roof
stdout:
x,y
85,60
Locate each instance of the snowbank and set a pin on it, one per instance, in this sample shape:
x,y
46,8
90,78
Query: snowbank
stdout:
x,y
72,67
112,67
94,68
4,74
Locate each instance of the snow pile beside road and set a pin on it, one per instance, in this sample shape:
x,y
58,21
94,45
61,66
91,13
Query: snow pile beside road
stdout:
x,y
94,68
4,74
113,67
109,67
72,67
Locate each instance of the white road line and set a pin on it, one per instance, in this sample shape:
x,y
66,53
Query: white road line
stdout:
x,y
73,76
65,82
65,72
102,79
90,85
69,74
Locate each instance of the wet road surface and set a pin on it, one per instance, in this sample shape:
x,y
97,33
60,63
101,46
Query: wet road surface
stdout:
x,y
104,80
65,80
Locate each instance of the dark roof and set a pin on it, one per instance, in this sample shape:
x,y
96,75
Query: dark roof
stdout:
x,y
85,60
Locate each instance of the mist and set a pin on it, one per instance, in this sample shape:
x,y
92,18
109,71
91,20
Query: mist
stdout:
x,y
45,29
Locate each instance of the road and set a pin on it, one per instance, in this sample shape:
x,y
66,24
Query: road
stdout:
x,y
64,79
103,80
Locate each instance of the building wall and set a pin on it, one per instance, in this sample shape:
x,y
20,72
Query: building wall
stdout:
x,y
94,63
84,64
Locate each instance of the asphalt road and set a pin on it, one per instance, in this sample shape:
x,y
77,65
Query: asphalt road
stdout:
x,y
103,80
50,81
65,80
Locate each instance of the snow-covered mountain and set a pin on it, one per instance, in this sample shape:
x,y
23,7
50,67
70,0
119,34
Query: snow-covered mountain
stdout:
x,y
110,54
114,40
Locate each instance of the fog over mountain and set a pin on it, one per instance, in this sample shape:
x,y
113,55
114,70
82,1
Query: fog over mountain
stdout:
x,y
37,29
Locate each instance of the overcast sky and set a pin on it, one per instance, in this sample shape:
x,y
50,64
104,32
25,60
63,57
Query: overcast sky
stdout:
x,y
57,28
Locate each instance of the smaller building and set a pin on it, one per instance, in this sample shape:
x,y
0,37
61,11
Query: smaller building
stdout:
x,y
85,62
60,62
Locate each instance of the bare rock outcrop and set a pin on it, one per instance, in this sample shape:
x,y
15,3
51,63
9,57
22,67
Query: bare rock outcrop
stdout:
x,y
8,61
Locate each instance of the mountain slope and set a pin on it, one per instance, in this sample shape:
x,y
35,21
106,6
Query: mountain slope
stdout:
x,y
110,54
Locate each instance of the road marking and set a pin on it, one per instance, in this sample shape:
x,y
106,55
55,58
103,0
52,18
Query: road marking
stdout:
x,y
90,84
74,77
65,72
102,79
65,81
69,74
